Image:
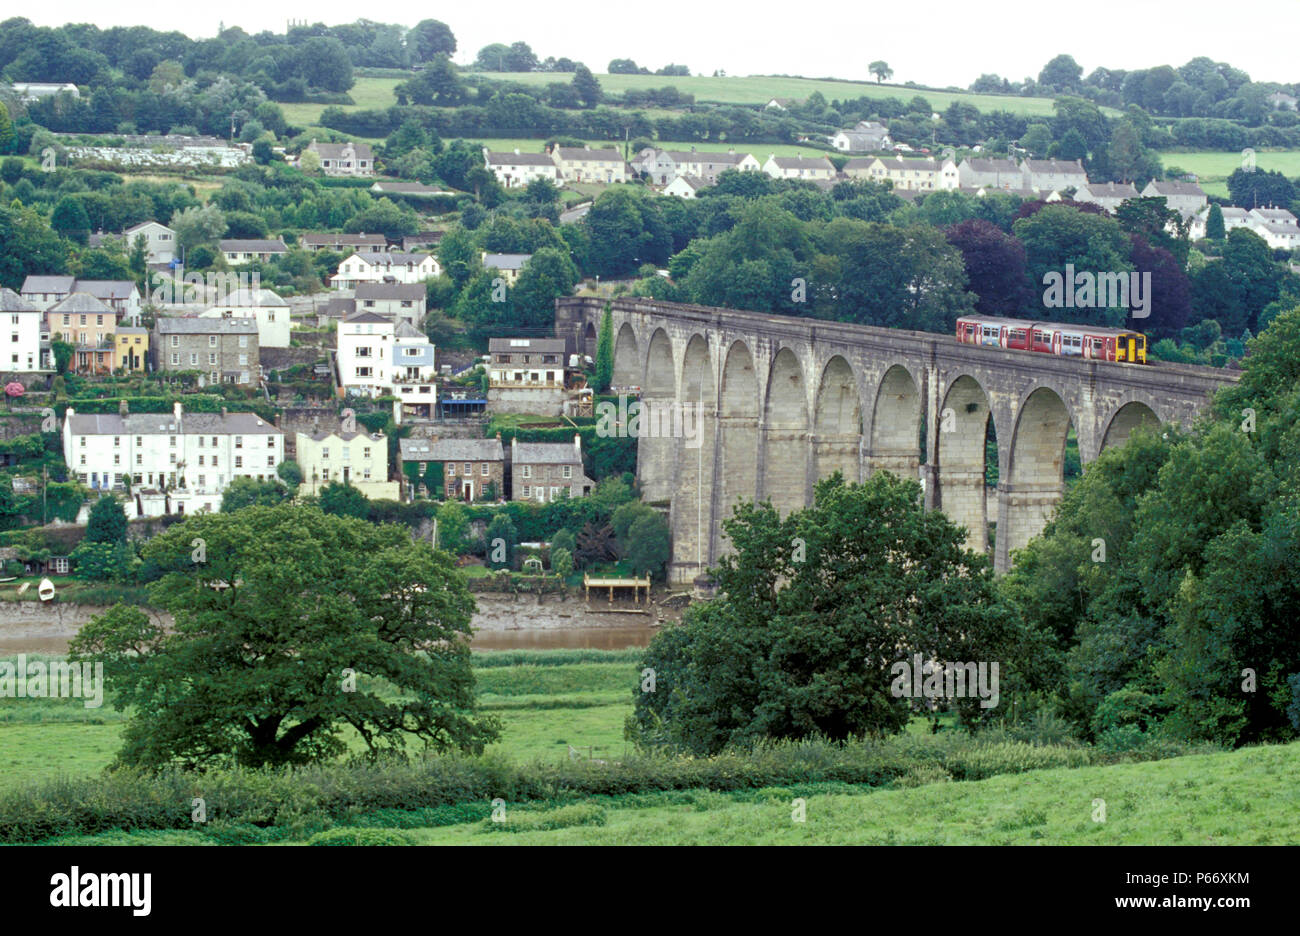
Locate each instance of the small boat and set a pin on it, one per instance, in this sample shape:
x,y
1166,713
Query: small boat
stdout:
x,y
11,578
46,590
22,589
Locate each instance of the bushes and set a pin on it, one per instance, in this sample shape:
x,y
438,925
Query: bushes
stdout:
x,y
563,817
308,797
352,836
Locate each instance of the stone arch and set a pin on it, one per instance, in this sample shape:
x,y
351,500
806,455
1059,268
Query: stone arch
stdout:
x,y
660,380
785,449
737,464
962,433
896,424
1035,476
837,419
1128,417
657,446
691,514
589,340
627,362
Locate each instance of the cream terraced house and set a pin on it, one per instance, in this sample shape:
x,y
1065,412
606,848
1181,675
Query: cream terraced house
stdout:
x,y
238,251
358,458
543,472
193,456
515,170
908,174
584,164
799,167
509,266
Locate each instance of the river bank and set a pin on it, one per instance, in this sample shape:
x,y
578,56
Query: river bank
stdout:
x,y
502,622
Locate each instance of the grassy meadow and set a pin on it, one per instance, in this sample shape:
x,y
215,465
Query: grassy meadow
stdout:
x,y
370,93
1213,168
943,790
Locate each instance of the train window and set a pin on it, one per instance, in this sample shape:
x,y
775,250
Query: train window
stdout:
x,y
1017,334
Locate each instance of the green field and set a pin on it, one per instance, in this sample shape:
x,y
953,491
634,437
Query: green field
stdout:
x,y
1213,168
761,89
372,93
543,710
1244,797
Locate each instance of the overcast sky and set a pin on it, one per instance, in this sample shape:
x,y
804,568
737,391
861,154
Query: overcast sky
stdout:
x,y
934,42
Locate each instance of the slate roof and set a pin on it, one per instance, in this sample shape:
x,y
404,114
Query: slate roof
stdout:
x,y
82,302
48,284
533,346
343,240
247,298
1177,188
166,424
335,150
451,450
196,325
802,162
546,453
505,261
519,159
580,153
10,301
253,246
411,291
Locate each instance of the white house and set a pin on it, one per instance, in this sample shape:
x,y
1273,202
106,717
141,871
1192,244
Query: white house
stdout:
x,y
190,457
238,251
379,356
990,174
161,240
1053,175
402,302
515,170
361,243
22,349
905,174
508,265
1277,226
344,159
385,267
31,91
359,458
1108,195
685,186
1187,198
584,164
799,167
1233,217
263,306
867,137
414,375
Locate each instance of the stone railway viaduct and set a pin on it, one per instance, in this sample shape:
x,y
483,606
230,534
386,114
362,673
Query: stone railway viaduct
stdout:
x,y
786,401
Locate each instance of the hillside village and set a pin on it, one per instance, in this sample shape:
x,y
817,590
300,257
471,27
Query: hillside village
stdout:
x,y
335,348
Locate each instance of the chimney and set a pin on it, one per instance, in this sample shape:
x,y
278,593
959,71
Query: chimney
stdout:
x,y
516,151
577,445
121,408
224,413
176,410
587,146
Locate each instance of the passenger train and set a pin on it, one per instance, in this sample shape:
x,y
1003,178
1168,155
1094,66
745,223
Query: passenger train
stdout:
x,y
1083,341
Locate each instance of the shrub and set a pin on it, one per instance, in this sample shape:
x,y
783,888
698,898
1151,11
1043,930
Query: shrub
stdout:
x,y
563,817
347,835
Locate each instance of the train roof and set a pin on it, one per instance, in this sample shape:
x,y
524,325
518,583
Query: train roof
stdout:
x,y
1093,330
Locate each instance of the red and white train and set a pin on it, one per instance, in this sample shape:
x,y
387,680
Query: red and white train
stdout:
x,y
1083,341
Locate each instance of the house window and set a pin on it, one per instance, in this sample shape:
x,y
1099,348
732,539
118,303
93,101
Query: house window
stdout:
x,y
117,441
528,491
194,360
270,461
527,471
212,358
212,341
270,441
243,360
139,458
243,341
485,469
176,359
173,441
469,468
83,459
567,471
176,341
117,459
239,461
451,469
239,441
